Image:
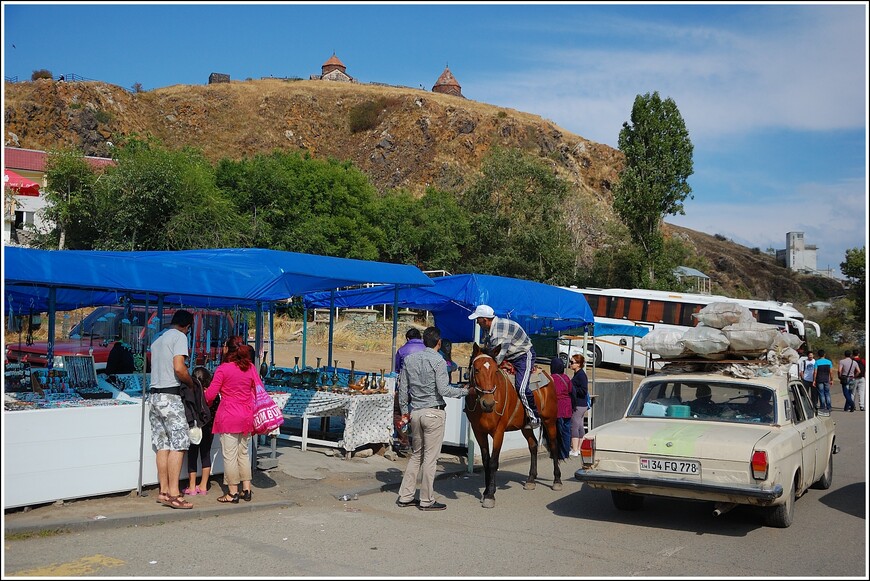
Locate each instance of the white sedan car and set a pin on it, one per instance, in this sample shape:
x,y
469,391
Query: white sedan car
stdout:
x,y
713,436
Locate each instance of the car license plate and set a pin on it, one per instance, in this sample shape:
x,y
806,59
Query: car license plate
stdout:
x,y
671,466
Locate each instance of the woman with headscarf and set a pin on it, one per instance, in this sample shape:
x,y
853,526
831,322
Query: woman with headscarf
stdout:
x,y
564,405
235,381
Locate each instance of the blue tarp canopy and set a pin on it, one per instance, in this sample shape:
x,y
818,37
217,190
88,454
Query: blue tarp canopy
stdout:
x,y
534,305
229,277
604,329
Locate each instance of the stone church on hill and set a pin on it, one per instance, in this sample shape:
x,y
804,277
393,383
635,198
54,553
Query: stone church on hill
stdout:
x,y
333,70
447,84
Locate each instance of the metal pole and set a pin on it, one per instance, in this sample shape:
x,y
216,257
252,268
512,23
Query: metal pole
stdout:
x,y
331,325
272,337
145,389
305,332
52,305
469,433
395,329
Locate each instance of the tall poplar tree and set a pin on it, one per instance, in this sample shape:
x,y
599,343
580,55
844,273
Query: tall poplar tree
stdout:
x,y
658,162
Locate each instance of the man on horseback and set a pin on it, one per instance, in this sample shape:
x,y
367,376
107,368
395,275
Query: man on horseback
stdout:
x,y
516,348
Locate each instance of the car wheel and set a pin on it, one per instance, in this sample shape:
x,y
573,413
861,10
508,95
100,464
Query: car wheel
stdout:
x,y
596,357
827,478
781,516
626,500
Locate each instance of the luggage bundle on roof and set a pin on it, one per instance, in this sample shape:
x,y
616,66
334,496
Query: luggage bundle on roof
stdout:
x,y
725,331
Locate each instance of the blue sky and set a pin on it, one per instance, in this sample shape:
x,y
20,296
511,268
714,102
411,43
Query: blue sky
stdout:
x,y
774,96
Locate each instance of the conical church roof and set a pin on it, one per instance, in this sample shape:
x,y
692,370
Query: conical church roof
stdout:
x,y
447,79
334,60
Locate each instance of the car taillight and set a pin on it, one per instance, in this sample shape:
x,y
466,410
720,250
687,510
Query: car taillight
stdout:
x,y
587,450
759,465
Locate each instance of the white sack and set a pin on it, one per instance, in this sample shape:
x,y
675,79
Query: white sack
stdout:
x,y
663,342
722,314
750,337
705,341
785,341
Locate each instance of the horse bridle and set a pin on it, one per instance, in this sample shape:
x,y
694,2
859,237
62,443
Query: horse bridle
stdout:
x,y
471,375
480,390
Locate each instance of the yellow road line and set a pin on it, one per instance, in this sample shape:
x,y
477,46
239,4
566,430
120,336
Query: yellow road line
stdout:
x,y
83,566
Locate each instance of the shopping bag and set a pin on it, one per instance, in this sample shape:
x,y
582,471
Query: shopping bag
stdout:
x,y
267,414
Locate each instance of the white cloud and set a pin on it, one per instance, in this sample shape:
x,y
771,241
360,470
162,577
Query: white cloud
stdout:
x,y
803,72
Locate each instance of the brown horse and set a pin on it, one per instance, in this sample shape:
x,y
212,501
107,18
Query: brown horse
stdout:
x,y
493,408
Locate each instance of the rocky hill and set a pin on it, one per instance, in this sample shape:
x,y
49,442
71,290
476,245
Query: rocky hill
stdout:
x,y
416,139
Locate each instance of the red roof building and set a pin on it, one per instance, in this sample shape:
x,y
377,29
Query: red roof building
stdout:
x,y
447,84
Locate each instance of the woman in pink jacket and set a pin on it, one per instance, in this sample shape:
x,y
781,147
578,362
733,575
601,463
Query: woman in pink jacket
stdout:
x,y
235,381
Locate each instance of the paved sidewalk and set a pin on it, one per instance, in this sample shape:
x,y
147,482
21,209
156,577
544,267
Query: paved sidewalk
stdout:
x,y
298,477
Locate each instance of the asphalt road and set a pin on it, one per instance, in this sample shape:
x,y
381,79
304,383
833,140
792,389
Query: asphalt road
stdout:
x,y
575,532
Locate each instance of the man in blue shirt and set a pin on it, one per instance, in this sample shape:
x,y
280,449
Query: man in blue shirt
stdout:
x,y
516,347
822,380
413,344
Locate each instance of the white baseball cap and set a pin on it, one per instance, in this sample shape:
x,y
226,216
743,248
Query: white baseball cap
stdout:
x,y
484,311
195,435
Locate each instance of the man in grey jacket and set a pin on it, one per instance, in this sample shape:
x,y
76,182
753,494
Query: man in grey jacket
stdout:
x,y
422,386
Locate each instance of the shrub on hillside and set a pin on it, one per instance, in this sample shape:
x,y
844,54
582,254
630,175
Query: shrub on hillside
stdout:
x,y
41,74
364,116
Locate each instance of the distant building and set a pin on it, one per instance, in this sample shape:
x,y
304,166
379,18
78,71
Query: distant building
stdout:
x,y
26,211
333,70
797,255
699,281
447,84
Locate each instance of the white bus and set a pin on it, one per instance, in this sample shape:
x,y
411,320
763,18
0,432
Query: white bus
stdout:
x,y
657,309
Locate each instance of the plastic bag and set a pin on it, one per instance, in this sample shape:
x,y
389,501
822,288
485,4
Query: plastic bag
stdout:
x,y
267,415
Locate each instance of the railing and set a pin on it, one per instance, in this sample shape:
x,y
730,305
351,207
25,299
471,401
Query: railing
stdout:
x,y
11,79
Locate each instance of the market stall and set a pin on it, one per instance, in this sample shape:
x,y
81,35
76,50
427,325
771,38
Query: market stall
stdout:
x,y
49,281
536,306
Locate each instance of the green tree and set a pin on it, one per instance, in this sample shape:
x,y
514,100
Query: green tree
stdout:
x,y
295,203
159,199
517,222
72,206
653,184
854,268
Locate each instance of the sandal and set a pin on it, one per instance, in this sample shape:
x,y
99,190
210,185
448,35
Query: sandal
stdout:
x,y
162,498
226,498
189,492
246,495
177,502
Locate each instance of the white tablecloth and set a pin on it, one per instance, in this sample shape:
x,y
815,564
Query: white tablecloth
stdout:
x,y
368,419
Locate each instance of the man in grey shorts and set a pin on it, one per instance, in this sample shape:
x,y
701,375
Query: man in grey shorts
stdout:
x,y
169,430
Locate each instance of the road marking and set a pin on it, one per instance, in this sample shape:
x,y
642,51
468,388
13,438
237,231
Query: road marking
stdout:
x,y
83,566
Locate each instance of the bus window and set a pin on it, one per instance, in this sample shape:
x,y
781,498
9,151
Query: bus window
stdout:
x,y
686,318
611,307
655,312
621,306
635,309
672,314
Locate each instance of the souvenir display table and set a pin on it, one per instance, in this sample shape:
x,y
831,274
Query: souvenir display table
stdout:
x,y
60,446
368,419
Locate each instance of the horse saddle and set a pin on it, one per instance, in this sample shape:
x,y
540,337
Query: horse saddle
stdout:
x,y
537,379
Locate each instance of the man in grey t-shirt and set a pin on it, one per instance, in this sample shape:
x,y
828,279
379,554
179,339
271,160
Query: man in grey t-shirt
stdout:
x,y
169,430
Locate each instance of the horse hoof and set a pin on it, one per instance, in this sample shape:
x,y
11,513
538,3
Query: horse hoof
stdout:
x,y
557,486
529,486
487,503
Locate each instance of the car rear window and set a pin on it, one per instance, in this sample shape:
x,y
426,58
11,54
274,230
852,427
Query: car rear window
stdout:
x,y
706,401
